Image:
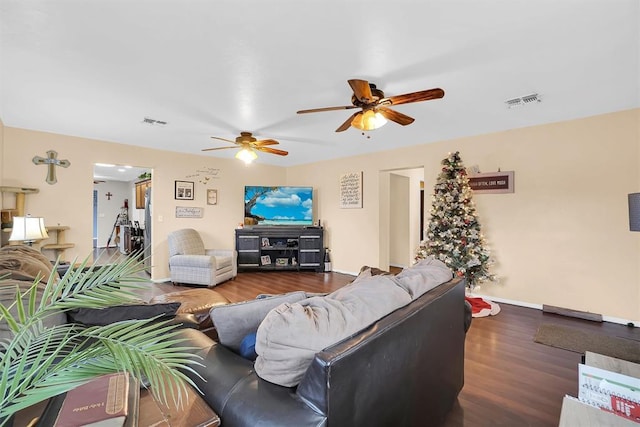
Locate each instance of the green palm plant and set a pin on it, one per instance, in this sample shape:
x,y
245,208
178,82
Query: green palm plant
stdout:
x,y
38,362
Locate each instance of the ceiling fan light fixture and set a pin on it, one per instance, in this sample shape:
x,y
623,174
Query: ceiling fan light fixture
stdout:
x,y
247,155
369,120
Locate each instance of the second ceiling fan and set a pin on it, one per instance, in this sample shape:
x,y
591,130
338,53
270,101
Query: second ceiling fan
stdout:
x,y
374,106
249,145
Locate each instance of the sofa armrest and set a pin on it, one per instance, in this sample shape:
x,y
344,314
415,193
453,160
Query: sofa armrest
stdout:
x,y
230,386
223,253
197,261
220,252
468,315
185,320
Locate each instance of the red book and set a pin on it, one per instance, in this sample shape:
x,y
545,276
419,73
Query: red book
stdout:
x,y
101,402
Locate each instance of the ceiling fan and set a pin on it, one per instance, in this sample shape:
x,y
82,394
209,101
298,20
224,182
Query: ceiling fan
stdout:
x,y
374,106
248,146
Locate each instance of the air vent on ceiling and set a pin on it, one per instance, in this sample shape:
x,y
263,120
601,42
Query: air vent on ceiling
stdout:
x,y
153,122
523,100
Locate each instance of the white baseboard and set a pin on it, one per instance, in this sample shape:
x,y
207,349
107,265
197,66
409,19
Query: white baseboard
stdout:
x,y
610,319
345,272
507,301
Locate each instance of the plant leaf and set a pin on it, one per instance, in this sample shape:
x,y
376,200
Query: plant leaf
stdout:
x,y
39,362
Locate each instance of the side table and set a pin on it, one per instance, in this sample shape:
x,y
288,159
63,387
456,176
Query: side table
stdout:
x,y
194,411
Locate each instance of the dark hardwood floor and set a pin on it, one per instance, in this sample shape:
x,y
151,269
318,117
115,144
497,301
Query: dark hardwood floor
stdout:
x,y
509,379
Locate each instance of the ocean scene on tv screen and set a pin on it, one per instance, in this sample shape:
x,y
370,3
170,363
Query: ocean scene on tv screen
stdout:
x,y
281,205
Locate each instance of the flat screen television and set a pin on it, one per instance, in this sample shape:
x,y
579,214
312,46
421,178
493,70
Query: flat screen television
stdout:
x,y
281,205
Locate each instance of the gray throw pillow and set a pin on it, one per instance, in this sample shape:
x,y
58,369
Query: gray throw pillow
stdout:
x,y
235,321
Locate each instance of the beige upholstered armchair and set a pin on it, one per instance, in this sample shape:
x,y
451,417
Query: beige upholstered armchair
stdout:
x,y
191,263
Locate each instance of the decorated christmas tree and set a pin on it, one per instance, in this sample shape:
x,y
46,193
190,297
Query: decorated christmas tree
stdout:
x,y
453,234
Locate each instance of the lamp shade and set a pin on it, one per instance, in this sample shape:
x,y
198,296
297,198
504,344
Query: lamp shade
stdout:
x,y
247,155
634,212
28,229
368,120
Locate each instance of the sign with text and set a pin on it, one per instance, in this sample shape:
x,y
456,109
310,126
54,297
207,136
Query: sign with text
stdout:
x,y
351,190
188,212
493,182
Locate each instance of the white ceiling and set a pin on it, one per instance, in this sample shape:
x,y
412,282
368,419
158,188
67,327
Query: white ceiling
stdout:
x,y
97,68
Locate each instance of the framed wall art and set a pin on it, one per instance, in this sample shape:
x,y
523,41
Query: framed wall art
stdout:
x,y
212,197
351,191
184,190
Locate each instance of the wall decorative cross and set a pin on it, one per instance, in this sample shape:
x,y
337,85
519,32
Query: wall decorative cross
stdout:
x,y
51,161
109,195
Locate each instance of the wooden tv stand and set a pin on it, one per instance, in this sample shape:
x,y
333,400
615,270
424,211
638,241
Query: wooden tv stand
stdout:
x,y
280,248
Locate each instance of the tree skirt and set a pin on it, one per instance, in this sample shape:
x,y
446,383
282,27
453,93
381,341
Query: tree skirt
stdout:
x,y
482,308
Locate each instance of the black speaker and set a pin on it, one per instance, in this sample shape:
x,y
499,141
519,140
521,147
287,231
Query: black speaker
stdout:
x,y
634,212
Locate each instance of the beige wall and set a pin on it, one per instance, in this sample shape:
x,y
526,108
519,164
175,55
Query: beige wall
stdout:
x,y
561,239
69,202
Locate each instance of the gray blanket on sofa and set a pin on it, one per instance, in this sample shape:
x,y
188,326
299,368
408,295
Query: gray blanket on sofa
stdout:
x,y
291,334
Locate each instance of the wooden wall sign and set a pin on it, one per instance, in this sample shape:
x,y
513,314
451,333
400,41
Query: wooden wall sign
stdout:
x,y
492,182
188,212
351,191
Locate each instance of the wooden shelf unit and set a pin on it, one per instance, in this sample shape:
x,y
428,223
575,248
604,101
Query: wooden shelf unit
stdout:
x,y
305,245
20,192
59,245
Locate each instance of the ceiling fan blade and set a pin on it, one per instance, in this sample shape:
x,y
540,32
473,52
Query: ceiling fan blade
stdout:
x,y
218,148
317,110
395,116
361,90
222,139
272,151
347,123
265,142
424,95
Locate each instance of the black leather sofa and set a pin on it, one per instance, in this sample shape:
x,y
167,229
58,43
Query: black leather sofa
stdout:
x,y
405,369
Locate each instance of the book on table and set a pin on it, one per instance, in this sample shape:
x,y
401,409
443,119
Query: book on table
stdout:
x,y
608,394
110,400
610,391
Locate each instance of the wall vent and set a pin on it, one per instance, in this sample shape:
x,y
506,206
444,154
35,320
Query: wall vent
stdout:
x,y
153,122
523,100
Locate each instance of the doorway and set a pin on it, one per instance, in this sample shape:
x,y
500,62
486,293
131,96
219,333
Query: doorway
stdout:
x,y
401,215
118,217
